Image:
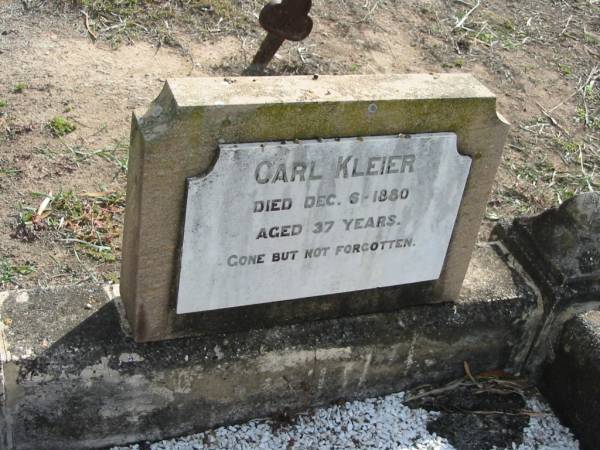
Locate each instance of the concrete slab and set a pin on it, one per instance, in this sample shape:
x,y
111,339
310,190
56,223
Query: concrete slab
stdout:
x,y
74,378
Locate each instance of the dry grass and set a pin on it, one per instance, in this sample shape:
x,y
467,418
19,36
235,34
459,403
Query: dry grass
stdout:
x,y
124,21
554,149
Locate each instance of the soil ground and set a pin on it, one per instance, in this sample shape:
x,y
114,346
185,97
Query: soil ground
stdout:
x,y
72,71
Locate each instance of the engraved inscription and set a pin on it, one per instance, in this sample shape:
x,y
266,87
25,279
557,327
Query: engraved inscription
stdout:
x,y
284,220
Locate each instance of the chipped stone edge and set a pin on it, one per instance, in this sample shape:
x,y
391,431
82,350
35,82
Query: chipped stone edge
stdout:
x,y
113,292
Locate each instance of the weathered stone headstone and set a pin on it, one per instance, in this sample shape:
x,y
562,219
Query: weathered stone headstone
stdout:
x,y
343,195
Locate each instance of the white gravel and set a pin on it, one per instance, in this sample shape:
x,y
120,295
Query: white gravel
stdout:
x,y
378,423
545,432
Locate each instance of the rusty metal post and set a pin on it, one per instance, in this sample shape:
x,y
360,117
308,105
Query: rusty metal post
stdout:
x,y
282,19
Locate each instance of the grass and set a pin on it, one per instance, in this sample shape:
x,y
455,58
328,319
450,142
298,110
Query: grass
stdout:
x,y
569,147
565,69
59,126
589,113
117,153
9,171
111,277
48,152
591,39
489,29
19,88
3,103
569,166
10,272
89,222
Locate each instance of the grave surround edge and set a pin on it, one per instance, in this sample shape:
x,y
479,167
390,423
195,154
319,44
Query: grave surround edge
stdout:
x,y
178,138
76,380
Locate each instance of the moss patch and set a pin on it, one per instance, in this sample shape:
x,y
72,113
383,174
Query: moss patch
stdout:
x,y
59,126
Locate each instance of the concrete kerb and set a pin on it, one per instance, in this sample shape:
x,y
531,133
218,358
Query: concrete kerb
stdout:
x,y
75,377
570,379
560,249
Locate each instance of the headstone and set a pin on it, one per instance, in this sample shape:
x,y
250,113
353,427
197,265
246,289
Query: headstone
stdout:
x,y
340,195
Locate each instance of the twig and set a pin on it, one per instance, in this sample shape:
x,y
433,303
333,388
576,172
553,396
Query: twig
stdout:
x,y
450,386
585,175
562,102
553,121
44,205
461,22
299,50
87,26
140,26
508,383
369,13
79,241
91,277
506,413
566,26
470,375
116,26
592,52
483,28
590,78
90,273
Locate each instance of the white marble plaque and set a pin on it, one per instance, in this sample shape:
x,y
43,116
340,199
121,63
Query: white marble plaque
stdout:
x,y
278,221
